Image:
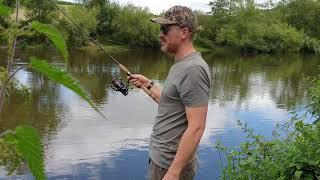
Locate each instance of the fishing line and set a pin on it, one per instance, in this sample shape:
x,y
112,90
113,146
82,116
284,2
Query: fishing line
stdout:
x,y
118,85
94,41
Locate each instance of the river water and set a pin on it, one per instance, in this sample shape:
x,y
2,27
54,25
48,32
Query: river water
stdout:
x,y
80,144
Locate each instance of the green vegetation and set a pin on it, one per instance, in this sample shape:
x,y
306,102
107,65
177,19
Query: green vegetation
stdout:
x,y
132,25
39,10
53,34
61,77
292,152
85,18
288,26
24,144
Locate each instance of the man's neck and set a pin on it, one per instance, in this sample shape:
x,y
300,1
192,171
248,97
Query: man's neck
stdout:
x,y
184,51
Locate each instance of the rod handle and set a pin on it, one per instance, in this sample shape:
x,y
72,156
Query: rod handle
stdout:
x,y
150,94
147,91
125,69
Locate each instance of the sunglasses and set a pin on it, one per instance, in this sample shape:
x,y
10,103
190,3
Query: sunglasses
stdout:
x,y
165,29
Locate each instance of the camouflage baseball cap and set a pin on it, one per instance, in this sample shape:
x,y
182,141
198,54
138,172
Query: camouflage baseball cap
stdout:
x,y
180,15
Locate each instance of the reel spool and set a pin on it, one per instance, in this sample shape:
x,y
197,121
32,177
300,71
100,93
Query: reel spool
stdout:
x,y
118,85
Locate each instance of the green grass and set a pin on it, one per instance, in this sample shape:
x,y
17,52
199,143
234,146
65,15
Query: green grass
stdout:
x,y
65,6
203,49
114,48
117,48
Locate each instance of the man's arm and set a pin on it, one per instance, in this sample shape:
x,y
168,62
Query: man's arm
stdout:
x,y
189,142
156,90
139,80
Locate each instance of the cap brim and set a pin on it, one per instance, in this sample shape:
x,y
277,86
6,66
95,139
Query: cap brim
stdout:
x,y
162,20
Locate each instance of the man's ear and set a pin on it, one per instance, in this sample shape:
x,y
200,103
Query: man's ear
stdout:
x,y
184,33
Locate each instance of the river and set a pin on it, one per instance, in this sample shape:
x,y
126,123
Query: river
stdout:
x,y
80,144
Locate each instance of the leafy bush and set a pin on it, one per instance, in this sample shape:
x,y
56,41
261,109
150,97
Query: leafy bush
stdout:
x,y
283,38
314,97
40,10
312,44
133,26
289,26
292,153
261,34
85,18
208,30
105,17
24,144
4,12
304,15
19,146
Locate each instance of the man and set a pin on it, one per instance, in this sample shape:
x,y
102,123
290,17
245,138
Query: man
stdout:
x,y
182,110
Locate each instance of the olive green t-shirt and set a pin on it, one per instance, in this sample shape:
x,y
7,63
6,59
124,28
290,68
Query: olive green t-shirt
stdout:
x,y
187,85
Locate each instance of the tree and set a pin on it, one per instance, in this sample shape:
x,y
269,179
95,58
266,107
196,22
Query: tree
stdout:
x,y
40,10
304,15
85,18
106,13
133,27
220,7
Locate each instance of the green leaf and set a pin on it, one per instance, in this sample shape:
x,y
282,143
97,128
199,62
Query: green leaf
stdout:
x,y
4,10
297,174
61,77
53,34
10,159
30,147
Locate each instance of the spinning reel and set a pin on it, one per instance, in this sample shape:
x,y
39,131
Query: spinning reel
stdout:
x,y
118,85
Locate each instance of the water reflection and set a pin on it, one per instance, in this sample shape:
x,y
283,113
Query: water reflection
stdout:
x,y
238,79
79,144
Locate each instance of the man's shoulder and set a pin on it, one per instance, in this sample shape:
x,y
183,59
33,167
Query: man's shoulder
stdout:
x,y
194,61
197,64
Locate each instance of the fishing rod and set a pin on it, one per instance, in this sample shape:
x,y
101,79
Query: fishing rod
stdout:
x,y
117,83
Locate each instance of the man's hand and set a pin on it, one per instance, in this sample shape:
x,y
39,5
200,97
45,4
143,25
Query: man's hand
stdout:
x,y
196,117
138,80
171,176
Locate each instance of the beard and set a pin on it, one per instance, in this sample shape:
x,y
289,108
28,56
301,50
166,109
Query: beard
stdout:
x,y
169,47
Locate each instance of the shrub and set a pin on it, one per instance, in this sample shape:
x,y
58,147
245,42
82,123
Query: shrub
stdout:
x,y
133,26
292,153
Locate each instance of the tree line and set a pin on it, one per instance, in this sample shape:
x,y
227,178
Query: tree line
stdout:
x,y
288,26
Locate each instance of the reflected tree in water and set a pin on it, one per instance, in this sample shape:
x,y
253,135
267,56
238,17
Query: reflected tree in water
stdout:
x,y
236,79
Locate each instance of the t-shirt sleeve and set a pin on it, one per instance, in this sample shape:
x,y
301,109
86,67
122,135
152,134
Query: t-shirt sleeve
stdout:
x,y
195,87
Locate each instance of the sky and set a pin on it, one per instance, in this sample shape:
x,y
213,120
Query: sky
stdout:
x,y
158,6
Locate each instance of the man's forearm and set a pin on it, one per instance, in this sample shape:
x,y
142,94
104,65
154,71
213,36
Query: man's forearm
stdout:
x,y
187,147
156,90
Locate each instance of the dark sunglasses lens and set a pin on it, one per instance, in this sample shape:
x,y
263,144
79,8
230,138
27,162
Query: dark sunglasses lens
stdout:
x,y
164,29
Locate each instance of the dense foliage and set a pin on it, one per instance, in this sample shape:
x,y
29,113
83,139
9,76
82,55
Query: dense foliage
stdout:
x,y
40,10
288,26
20,146
23,145
85,18
273,27
292,152
133,26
